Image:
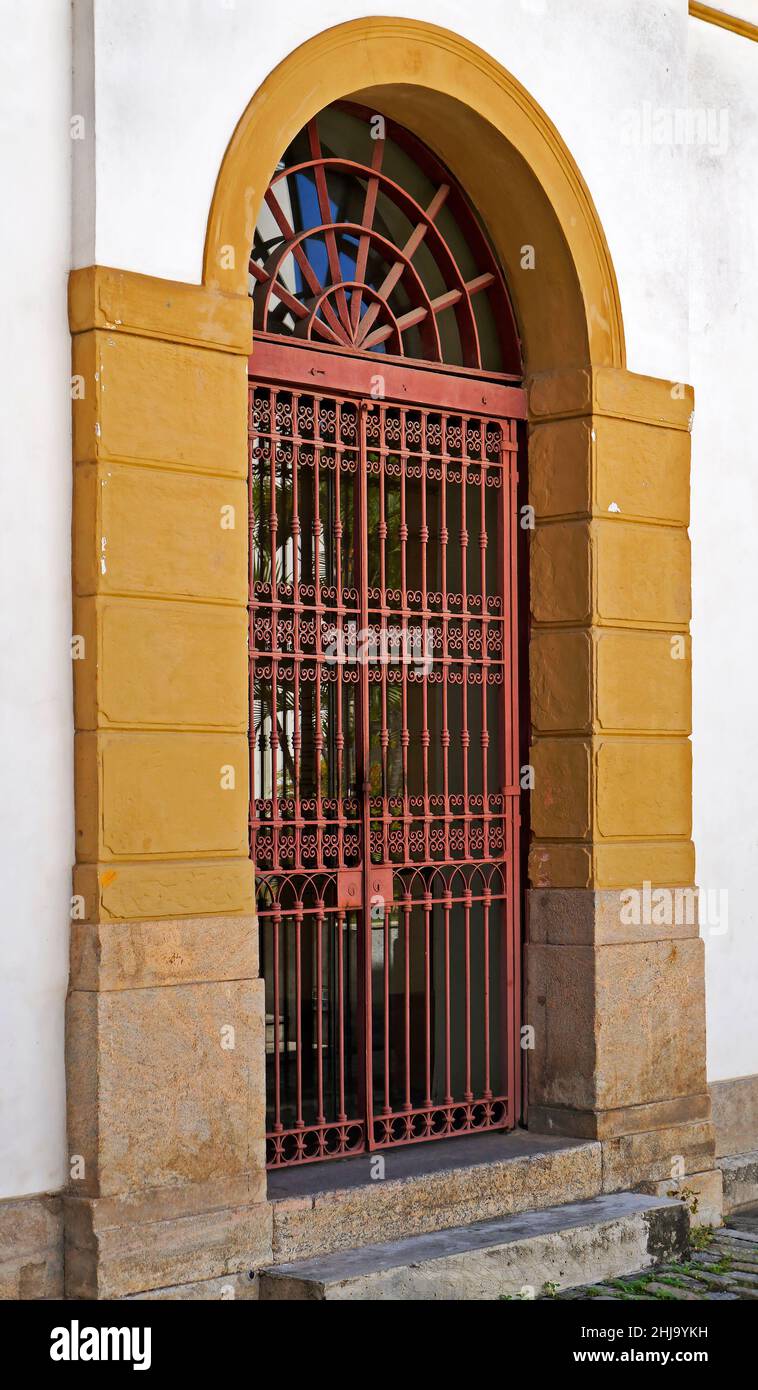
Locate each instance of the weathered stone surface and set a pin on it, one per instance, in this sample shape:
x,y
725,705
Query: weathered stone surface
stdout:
x,y
616,1026
656,1155
701,1193
561,804
740,1175
560,680
184,950
561,573
642,681
31,1248
641,572
643,786
166,1086
143,795
227,1288
608,1124
560,468
735,1115
599,917
596,1239
650,1022
544,1173
107,1260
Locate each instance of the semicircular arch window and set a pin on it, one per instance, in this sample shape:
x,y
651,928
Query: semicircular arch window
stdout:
x,y
366,243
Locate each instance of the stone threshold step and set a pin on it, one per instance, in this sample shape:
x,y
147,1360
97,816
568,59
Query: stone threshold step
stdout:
x,y
321,1208
740,1172
515,1256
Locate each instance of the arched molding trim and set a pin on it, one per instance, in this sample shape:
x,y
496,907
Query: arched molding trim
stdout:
x,y
456,98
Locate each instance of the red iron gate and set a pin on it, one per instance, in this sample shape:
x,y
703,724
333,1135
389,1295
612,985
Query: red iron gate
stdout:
x,y
384,750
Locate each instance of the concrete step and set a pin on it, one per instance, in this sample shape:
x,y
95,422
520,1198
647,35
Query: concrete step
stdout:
x,y
515,1256
322,1208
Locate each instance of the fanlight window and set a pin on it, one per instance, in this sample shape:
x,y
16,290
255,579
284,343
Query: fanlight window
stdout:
x,y
366,243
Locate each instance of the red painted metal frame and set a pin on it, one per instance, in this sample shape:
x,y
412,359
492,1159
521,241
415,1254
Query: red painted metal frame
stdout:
x,y
384,813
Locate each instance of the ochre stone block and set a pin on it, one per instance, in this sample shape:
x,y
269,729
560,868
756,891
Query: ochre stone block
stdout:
x,y
560,588
151,794
138,955
101,297
166,1087
152,532
151,662
160,402
610,467
644,787
628,865
560,865
561,799
567,391
642,573
560,468
560,688
115,893
633,396
642,682
611,391
640,472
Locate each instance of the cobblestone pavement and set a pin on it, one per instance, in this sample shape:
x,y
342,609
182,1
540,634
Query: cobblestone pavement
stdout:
x,y
721,1265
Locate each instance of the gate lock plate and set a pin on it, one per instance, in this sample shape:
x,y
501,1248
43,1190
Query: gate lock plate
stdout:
x,y
350,888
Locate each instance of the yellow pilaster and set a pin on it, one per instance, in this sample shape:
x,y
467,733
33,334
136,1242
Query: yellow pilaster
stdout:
x,y
610,654
160,593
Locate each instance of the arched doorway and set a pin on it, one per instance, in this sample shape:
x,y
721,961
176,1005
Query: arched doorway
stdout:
x,y
385,404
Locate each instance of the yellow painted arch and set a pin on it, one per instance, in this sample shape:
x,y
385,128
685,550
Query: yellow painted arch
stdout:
x,y
494,137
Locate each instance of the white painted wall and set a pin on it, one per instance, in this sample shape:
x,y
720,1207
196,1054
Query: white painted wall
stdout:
x,y
723,249
36,796
162,84
174,76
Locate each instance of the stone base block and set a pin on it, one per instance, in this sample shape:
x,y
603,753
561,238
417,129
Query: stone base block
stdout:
x,y
735,1115
31,1248
227,1288
740,1174
701,1193
628,1119
659,1155
616,1026
166,1086
118,1247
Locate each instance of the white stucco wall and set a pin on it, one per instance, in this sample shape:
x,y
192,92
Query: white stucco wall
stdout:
x,y
172,78
723,255
162,84
36,793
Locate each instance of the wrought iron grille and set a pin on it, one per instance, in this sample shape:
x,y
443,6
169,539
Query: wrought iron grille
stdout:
x,y
366,243
384,752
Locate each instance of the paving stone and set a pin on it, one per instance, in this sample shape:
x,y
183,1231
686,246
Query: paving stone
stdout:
x,y
726,1271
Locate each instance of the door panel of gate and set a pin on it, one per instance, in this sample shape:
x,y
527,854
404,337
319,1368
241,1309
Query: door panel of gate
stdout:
x,y
384,760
